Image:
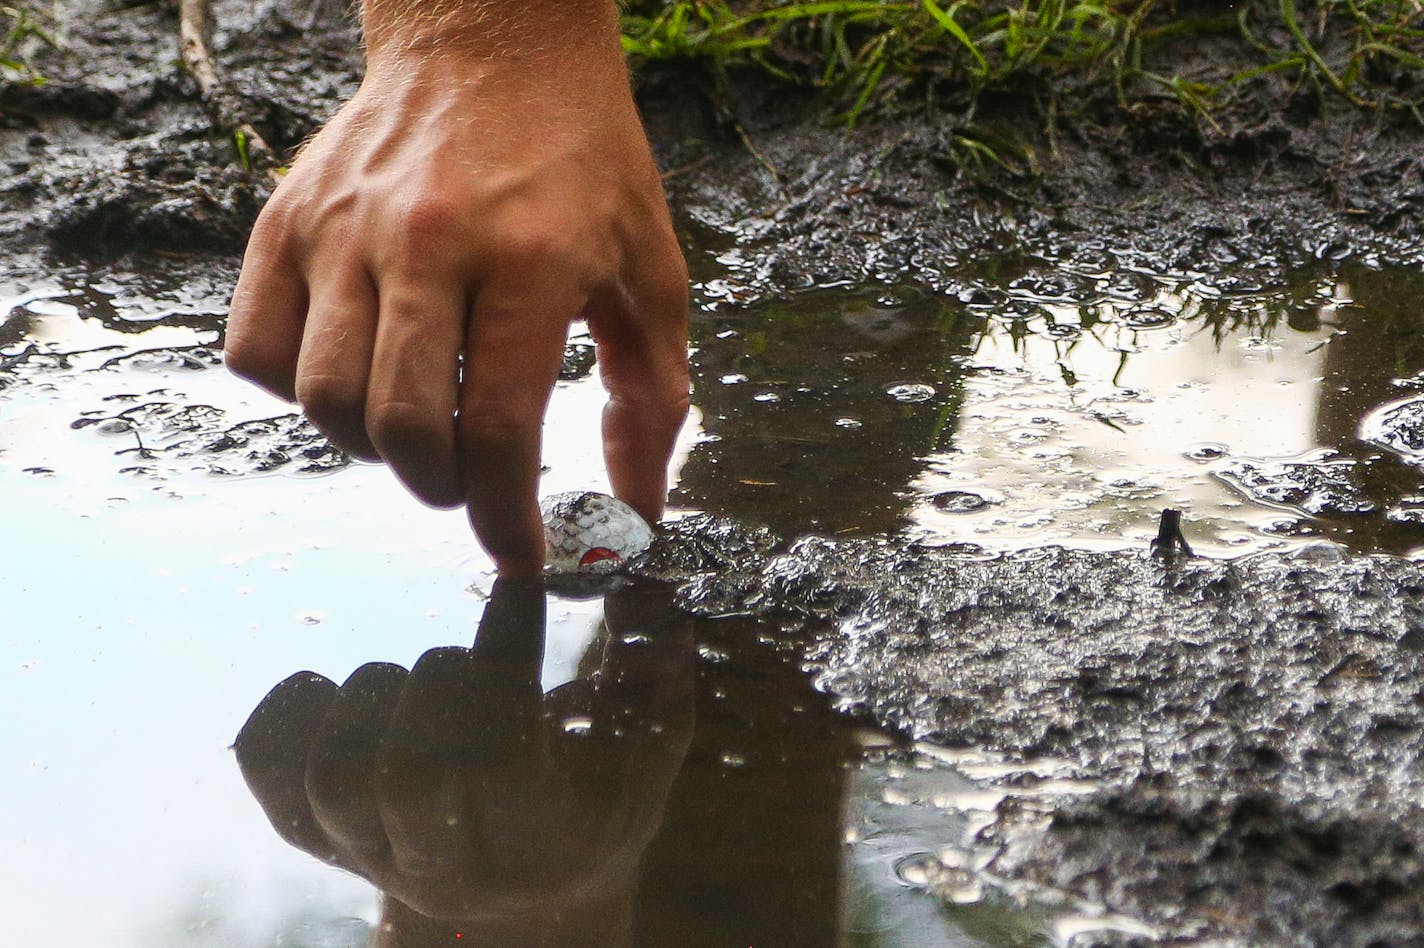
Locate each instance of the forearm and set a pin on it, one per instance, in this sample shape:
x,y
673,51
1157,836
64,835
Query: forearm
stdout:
x,y
518,28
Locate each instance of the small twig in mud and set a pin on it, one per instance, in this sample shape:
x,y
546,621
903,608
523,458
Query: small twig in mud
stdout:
x,y
761,159
223,107
688,168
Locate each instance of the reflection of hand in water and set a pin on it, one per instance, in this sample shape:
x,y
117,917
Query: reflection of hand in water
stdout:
x,y
474,801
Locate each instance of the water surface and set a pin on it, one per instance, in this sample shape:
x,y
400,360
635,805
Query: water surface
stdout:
x,y
177,544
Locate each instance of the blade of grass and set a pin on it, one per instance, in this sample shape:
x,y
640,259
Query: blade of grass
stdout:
x,y
945,18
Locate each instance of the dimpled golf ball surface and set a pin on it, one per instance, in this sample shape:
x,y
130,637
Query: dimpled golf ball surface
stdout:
x,y
588,532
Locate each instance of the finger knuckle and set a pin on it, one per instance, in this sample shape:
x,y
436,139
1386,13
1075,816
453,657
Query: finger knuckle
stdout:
x,y
671,410
532,248
257,364
427,217
329,400
400,423
244,359
425,234
278,222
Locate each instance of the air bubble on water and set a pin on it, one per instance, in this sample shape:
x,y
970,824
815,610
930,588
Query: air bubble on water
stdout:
x,y
766,397
959,501
851,423
918,869
910,392
733,378
636,638
1207,452
730,759
578,724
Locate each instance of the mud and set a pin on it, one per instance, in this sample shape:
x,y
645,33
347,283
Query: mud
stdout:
x,y
114,153
1255,725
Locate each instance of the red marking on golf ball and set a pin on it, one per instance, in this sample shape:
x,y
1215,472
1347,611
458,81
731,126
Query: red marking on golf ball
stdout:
x,y
598,554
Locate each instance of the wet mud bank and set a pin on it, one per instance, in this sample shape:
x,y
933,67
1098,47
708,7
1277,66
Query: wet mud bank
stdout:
x,y
114,152
1254,728
806,203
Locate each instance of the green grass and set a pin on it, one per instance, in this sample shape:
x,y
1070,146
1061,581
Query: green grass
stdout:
x,y
21,30
874,56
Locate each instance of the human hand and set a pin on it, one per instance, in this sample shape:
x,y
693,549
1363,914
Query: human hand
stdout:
x,y
461,792
412,280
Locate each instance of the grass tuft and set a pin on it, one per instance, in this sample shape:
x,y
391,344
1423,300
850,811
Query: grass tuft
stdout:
x,y
869,55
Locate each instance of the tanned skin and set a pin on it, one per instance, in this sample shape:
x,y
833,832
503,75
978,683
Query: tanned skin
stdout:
x,y
411,282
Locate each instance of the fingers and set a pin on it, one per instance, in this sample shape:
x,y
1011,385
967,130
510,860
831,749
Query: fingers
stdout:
x,y
459,735
513,351
341,766
642,354
335,360
421,775
414,382
511,630
272,750
267,316
371,337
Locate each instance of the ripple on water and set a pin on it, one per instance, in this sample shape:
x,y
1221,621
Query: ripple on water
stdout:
x,y
1148,318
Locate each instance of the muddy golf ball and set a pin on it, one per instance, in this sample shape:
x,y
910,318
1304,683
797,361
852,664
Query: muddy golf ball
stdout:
x,y
588,532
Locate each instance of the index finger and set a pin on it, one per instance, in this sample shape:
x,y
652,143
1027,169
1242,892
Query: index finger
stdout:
x,y
514,348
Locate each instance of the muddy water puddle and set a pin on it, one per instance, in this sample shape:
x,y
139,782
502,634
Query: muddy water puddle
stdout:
x,y
176,545
1055,407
